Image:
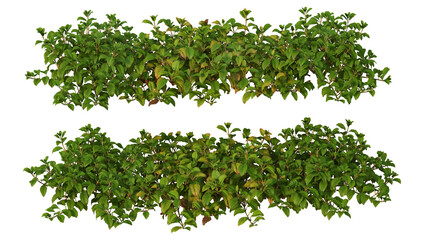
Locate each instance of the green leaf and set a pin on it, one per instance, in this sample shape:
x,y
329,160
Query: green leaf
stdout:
x,y
206,198
266,27
58,148
285,95
215,174
362,198
173,194
340,49
99,88
294,95
194,155
350,194
139,68
129,61
242,84
238,211
223,74
215,86
78,77
296,198
357,95
323,185
120,69
91,188
84,197
110,61
286,211
203,76
161,82
234,203
71,106
70,204
308,178
186,86
146,214
175,65
257,213
242,169
175,229
67,212
330,214
265,63
87,92
200,101
343,190
147,22
246,97
385,71
222,128
335,183
60,217
325,209
341,126
33,182
165,205
37,81
242,220
163,182
326,91
109,221
43,190
215,47
190,52
62,68
111,89
78,187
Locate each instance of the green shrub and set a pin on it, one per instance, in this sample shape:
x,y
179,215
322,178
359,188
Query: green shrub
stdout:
x,y
96,61
187,177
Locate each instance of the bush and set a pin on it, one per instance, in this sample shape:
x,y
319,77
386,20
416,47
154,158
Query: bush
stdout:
x,y
187,177
96,61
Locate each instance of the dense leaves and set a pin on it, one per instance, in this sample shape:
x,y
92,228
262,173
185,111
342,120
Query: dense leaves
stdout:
x,y
186,177
95,61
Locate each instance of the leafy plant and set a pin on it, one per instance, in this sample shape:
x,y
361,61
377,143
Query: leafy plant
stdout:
x,y
95,61
186,177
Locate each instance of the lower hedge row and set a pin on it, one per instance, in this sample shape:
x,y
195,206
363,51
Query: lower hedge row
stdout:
x,y
187,177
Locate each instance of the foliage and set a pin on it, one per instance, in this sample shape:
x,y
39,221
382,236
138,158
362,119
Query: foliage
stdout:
x,y
187,178
95,61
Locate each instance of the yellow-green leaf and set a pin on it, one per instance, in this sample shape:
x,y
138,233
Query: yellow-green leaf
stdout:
x,y
161,83
195,189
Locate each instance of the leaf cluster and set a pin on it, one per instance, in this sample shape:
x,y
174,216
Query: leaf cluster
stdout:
x,y
185,178
96,61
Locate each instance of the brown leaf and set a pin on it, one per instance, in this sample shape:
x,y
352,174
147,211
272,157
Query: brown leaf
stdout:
x,y
206,220
183,203
204,22
155,101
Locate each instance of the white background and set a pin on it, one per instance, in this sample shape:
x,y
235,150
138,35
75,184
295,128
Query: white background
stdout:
x,y
29,120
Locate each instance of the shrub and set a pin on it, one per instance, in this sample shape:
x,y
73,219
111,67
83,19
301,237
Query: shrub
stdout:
x,y
96,61
187,177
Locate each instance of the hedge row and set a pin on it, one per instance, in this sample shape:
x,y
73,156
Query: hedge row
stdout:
x,y
184,177
96,61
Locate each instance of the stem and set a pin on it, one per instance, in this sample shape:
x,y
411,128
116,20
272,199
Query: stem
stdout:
x,y
179,217
247,215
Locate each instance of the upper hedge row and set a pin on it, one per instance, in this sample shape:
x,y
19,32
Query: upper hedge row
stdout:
x,y
95,61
